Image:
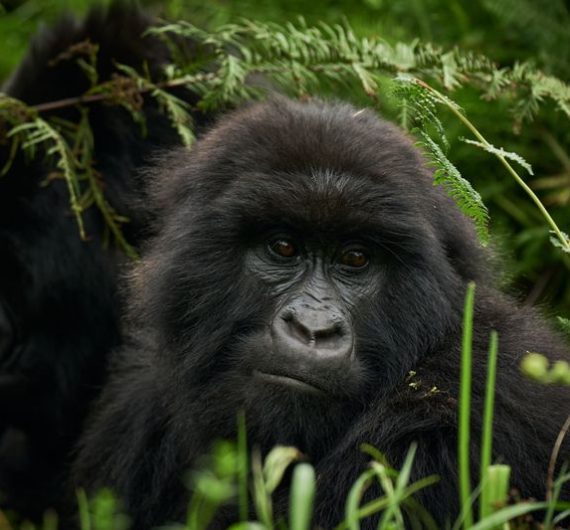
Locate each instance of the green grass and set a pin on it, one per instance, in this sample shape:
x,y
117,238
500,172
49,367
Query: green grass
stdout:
x,y
224,480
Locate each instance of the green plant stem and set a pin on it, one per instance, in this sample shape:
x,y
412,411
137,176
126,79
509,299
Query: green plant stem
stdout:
x,y
91,97
442,99
242,468
487,441
383,502
301,501
104,208
465,408
83,509
554,457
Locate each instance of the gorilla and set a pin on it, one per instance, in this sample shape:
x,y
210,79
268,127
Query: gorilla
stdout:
x,y
303,267
59,304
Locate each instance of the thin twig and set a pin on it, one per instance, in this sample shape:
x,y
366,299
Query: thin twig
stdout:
x,y
91,98
554,457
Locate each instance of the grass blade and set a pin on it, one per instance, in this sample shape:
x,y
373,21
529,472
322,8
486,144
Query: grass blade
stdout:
x,y
303,487
465,408
485,505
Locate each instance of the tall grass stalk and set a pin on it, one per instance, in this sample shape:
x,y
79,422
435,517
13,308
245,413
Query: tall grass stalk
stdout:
x,y
465,408
242,464
485,507
83,509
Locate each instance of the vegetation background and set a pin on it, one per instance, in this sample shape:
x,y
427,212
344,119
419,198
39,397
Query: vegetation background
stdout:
x,y
534,124
507,31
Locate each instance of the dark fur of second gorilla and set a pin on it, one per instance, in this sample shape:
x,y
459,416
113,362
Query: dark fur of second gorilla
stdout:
x,y
60,293
202,301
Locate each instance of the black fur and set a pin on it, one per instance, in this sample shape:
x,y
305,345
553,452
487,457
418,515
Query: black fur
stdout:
x,y
199,312
61,292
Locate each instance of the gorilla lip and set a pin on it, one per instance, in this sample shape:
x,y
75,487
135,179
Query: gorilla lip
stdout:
x,y
287,381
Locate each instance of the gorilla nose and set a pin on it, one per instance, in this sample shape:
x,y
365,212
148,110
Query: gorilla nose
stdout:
x,y
313,330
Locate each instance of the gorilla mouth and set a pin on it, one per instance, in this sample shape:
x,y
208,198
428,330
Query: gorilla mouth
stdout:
x,y
286,380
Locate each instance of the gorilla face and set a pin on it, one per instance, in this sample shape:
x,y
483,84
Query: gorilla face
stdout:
x,y
322,264
314,285
314,280
303,271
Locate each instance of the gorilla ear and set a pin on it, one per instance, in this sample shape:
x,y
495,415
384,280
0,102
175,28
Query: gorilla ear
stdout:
x,y
460,241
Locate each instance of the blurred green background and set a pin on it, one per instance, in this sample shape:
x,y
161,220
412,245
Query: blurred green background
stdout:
x,y
507,31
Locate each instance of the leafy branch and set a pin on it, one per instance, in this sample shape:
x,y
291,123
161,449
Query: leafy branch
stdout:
x,y
36,132
562,239
301,59
297,56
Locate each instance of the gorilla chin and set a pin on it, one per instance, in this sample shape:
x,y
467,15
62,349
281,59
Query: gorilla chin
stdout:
x,y
304,266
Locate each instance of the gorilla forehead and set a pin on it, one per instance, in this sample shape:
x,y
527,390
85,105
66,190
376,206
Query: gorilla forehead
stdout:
x,y
284,135
325,164
283,138
319,200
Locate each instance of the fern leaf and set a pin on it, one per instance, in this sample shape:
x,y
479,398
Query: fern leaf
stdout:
x,y
562,245
457,187
500,152
39,132
564,324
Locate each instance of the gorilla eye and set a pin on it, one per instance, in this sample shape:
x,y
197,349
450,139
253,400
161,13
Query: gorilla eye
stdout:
x,y
283,248
355,259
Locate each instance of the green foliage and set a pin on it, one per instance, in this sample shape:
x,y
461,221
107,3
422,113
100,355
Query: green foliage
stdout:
x,y
464,435
536,366
215,485
37,132
527,78
218,480
494,478
564,324
305,58
102,512
302,58
68,147
500,152
303,486
543,22
447,175
560,240
495,483
467,199
175,108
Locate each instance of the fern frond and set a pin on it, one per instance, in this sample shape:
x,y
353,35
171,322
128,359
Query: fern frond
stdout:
x,y
291,54
179,113
457,187
499,151
176,109
560,240
564,324
39,133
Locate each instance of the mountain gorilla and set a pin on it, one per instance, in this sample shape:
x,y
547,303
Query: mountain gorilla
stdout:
x,y
304,266
59,305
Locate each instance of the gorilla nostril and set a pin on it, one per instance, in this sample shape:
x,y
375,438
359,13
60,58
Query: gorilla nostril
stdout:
x,y
300,332
332,337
